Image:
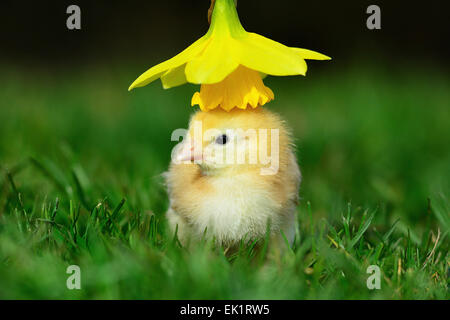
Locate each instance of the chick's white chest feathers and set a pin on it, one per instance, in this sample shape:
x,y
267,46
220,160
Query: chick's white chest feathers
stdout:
x,y
229,208
236,209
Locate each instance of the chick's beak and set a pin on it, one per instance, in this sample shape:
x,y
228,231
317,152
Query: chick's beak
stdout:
x,y
189,152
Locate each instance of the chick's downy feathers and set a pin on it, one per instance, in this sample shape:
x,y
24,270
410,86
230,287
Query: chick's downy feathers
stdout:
x,y
233,200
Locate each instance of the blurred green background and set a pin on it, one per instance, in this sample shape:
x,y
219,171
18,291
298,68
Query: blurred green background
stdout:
x,y
372,128
375,137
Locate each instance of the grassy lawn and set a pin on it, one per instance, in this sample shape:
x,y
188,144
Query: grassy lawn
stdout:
x,y
80,183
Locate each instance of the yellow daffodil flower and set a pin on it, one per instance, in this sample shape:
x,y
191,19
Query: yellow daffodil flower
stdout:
x,y
229,63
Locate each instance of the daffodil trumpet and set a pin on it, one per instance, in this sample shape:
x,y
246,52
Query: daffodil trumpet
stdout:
x,y
228,62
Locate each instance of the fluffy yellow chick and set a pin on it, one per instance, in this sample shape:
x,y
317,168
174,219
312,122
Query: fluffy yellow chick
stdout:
x,y
228,179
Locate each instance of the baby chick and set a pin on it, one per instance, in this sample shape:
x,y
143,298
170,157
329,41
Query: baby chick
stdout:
x,y
238,172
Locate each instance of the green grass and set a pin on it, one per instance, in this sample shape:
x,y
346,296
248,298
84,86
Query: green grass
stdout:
x,y
80,165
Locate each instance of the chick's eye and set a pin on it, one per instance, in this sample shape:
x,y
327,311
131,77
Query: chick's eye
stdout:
x,y
222,139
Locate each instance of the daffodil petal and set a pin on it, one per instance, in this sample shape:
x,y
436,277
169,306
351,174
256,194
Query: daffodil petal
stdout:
x,y
174,77
214,64
219,53
267,56
310,55
155,72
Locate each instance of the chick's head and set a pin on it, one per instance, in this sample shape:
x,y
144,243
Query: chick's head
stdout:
x,y
222,142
